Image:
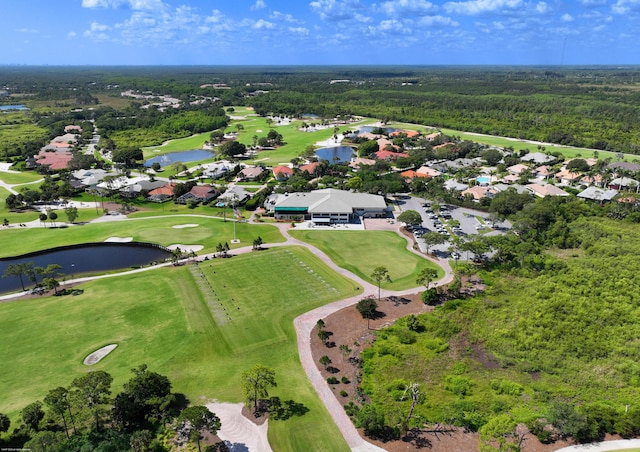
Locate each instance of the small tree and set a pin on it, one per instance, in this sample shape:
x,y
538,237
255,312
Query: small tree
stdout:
x,y
43,217
325,361
53,217
72,213
58,400
32,414
324,336
93,390
380,274
345,351
5,423
433,238
256,382
426,277
367,308
410,217
196,419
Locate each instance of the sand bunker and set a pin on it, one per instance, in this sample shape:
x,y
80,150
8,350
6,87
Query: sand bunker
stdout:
x,y
99,354
238,432
186,248
188,225
119,239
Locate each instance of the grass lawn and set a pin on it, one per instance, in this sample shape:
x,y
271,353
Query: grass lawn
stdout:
x,y
23,177
208,233
162,319
362,251
181,144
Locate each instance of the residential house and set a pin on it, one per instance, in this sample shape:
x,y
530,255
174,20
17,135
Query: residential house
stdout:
x,y
479,192
72,129
282,172
623,183
161,194
597,194
625,166
234,195
426,171
310,168
251,172
389,155
360,161
542,191
567,177
518,169
538,158
198,193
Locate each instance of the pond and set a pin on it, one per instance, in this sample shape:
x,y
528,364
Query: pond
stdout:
x,y
86,258
185,157
12,107
336,154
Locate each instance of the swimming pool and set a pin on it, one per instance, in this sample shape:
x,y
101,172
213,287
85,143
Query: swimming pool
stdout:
x,y
483,180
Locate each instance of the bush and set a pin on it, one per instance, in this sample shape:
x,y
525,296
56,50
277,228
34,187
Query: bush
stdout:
x,y
343,393
345,380
332,380
429,297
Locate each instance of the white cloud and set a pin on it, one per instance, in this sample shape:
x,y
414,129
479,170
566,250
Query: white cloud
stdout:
x,y
438,21
626,6
137,5
277,15
473,7
71,35
593,3
542,8
260,4
407,7
27,30
567,18
263,25
299,30
97,31
336,10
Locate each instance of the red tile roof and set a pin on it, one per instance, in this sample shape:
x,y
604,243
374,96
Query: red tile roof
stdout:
x,y
388,155
166,189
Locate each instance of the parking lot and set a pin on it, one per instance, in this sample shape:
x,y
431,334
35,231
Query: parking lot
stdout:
x,y
451,220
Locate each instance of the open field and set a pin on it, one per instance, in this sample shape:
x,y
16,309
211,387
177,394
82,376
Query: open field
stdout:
x,y
362,251
164,321
209,233
180,144
25,177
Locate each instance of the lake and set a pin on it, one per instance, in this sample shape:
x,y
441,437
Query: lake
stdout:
x,y
336,154
86,258
184,157
12,107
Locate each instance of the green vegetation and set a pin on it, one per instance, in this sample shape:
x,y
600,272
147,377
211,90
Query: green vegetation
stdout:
x,y
172,328
208,233
362,251
176,145
559,332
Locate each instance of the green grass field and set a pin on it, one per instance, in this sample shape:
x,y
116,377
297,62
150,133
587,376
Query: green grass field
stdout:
x,y
362,251
164,321
208,233
180,144
25,177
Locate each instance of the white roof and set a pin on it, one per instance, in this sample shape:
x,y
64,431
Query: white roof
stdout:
x,y
330,200
597,194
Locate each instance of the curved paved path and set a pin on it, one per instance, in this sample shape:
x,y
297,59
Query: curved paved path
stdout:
x,y
305,323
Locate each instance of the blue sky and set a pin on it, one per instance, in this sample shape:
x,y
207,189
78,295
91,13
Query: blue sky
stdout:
x,y
319,32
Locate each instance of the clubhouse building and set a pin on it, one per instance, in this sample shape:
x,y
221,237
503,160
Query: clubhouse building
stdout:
x,y
327,206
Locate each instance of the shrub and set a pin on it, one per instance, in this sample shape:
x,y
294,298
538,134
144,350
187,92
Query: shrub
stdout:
x,y
332,380
345,380
343,393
